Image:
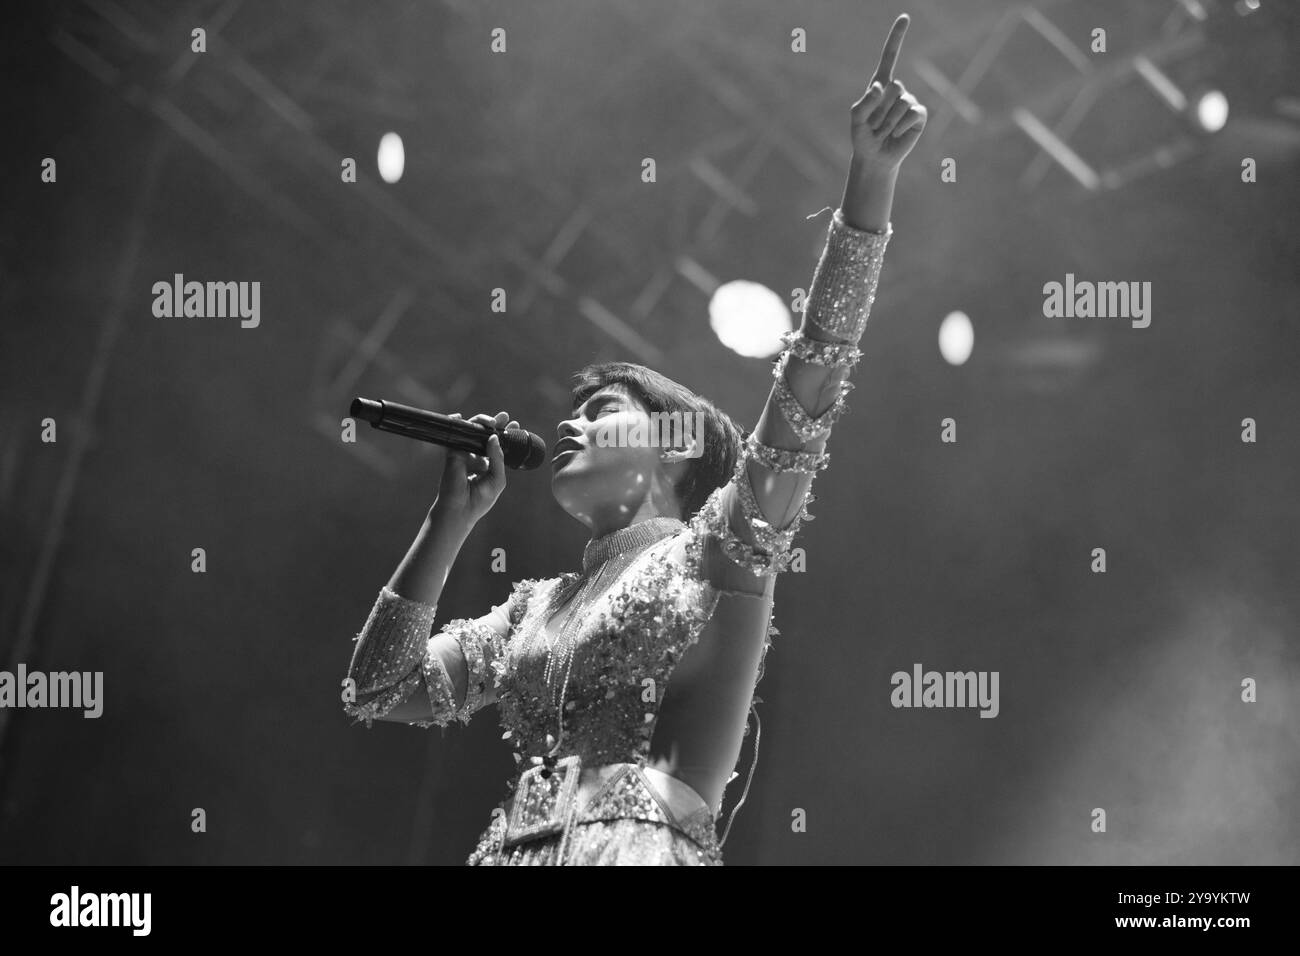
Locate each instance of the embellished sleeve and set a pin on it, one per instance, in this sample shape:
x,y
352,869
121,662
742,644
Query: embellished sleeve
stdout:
x,y
402,671
766,500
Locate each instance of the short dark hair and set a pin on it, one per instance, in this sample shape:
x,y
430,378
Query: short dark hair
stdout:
x,y
658,393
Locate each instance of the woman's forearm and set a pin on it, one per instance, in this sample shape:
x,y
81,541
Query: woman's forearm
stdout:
x,y
787,448
868,196
386,662
868,201
423,572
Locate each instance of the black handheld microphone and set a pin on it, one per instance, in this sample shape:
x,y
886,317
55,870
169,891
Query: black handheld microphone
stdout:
x,y
522,449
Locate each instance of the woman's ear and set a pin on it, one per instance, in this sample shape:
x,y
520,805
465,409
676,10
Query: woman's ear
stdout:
x,y
693,448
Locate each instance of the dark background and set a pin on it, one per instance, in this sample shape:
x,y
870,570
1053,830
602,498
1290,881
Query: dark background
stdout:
x,y
1118,690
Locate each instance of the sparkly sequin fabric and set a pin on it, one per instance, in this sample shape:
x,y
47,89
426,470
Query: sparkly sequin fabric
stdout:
x,y
625,822
626,651
580,665
845,281
631,642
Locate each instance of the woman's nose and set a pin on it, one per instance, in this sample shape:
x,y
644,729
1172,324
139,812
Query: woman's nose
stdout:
x,y
568,429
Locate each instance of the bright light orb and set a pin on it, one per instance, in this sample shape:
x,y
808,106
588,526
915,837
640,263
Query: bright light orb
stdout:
x,y
956,338
392,157
1212,111
748,318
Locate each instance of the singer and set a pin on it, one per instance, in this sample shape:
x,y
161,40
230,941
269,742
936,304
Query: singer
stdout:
x,y
625,687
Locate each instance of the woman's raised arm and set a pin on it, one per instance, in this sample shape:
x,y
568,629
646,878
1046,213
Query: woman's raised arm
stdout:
x,y
771,488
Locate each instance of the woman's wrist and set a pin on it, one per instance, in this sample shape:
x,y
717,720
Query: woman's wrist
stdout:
x,y
869,195
445,522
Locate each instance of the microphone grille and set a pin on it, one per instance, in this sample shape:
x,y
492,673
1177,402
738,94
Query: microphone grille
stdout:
x,y
521,449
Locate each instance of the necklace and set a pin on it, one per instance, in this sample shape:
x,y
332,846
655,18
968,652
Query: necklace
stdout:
x,y
603,559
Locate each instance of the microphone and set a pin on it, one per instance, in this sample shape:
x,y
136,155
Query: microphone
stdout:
x,y
522,449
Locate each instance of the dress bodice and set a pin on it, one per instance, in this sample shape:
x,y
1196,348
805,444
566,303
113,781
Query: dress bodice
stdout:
x,y
624,651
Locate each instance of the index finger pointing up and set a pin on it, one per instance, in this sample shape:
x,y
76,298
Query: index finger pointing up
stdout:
x,y
889,56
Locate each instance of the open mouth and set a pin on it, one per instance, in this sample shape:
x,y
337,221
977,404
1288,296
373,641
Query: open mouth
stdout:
x,y
564,454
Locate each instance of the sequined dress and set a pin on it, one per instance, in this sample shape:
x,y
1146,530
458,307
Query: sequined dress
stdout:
x,y
627,731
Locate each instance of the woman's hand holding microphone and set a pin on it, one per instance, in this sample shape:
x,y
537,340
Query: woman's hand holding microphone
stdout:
x,y
471,484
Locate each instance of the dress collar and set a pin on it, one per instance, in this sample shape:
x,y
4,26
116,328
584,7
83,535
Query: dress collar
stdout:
x,y
632,538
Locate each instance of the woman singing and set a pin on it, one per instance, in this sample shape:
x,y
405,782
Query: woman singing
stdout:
x,y
625,687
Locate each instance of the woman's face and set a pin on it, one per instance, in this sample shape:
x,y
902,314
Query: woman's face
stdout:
x,y
609,472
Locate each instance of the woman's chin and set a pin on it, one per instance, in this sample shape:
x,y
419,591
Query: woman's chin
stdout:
x,y
565,484
567,467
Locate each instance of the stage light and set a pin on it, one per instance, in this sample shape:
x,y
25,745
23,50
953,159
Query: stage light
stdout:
x,y
392,157
1246,7
748,318
1212,111
956,338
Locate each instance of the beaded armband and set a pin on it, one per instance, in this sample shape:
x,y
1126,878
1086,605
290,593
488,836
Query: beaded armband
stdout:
x,y
771,554
839,354
844,283
801,423
783,459
830,354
